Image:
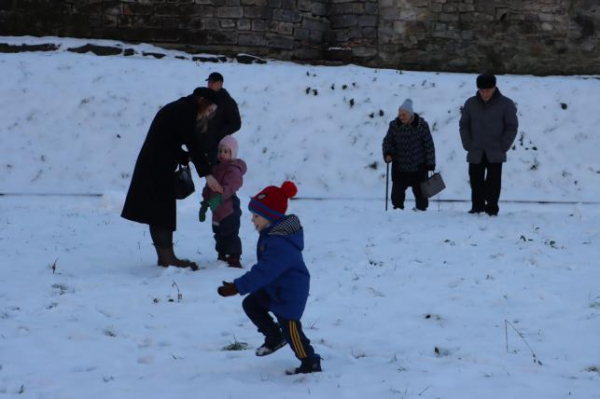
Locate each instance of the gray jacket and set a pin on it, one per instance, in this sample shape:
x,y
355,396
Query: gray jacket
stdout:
x,y
488,128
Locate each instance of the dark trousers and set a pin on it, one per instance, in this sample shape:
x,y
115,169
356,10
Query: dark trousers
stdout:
x,y
291,329
486,183
404,180
227,232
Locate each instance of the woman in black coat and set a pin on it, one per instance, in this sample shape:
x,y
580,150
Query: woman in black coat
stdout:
x,y
151,197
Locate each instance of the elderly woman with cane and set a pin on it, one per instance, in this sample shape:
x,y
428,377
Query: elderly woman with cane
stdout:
x,y
409,147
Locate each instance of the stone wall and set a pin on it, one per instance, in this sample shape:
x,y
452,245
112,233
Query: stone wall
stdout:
x,y
507,36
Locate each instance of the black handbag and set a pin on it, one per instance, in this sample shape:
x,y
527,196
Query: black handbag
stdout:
x,y
433,185
184,185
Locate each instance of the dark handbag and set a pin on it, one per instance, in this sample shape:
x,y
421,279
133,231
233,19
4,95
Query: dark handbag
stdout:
x,y
184,185
433,185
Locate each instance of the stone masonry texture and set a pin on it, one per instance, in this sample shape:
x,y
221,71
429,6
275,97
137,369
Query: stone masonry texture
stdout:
x,y
504,36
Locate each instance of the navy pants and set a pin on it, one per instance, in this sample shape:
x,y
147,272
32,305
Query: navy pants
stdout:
x,y
254,307
227,232
486,183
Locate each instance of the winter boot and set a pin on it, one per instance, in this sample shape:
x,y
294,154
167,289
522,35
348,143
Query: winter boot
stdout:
x,y
166,258
234,261
222,257
272,344
308,365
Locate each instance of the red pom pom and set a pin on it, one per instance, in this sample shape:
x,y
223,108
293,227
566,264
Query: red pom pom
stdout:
x,y
289,189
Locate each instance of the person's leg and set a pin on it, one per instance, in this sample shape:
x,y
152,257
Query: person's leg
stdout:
x,y
231,243
399,186
300,344
218,242
162,238
260,317
422,202
493,186
476,180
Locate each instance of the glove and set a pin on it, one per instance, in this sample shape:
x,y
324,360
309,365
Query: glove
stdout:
x,y
388,158
203,209
215,201
431,167
227,289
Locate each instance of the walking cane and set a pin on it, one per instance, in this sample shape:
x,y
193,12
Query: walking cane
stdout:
x,y
387,183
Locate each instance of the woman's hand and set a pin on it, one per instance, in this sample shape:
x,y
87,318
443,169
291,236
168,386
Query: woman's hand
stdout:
x,y
214,184
388,159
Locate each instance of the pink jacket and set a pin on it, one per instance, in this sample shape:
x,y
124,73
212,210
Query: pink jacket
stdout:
x,y
229,175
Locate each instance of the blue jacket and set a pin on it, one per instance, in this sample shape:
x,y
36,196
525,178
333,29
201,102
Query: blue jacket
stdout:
x,y
280,270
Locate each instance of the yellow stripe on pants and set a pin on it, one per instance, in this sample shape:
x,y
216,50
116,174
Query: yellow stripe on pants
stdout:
x,y
296,340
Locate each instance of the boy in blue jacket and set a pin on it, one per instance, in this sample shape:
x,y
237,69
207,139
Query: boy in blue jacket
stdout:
x,y
279,281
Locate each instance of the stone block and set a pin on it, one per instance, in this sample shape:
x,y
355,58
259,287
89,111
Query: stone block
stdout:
x,y
466,8
173,10
364,51
304,5
367,21
315,24
211,24
244,24
252,39
319,9
286,15
307,53
258,12
227,23
223,37
288,4
210,2
343,21
233,3
138,9
369,33
347,8
371,8
259,25
389,13
229,12
205,11
280,42
301,34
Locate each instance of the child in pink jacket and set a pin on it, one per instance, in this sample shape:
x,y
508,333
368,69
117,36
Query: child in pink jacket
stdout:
x,y
225,205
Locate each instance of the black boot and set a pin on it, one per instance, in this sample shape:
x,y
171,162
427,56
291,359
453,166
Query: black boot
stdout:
x,y
166,258
308,365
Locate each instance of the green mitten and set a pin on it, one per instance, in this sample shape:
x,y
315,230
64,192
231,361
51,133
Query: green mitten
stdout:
x,y
203,209
215,201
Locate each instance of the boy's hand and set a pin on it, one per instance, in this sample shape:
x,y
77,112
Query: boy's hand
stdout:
x,y
203,208
215,201
227,289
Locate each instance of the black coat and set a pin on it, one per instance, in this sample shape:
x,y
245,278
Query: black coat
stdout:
x,y
151,196
225,121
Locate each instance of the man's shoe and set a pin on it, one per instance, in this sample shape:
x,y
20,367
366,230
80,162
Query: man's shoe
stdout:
x,y
222,257
474,210
308,365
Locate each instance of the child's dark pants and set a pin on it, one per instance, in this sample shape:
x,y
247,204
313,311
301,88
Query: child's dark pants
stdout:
x,y
227,232
291,329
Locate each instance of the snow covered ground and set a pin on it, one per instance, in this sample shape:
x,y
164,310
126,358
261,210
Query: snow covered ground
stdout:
x,y
403,304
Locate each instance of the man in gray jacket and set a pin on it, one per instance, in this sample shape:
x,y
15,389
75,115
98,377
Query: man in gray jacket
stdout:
x,y
488,127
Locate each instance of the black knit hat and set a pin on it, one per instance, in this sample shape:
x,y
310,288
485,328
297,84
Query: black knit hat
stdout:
x,y
206,93
486,81
215,77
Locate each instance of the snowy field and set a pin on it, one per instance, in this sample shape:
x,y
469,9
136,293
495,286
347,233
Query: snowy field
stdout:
x,y
439,304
